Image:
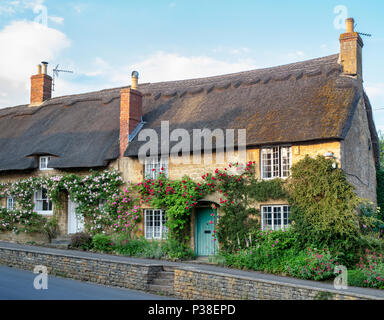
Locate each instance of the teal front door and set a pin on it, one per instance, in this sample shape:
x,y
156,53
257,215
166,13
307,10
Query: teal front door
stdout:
x,y
206,244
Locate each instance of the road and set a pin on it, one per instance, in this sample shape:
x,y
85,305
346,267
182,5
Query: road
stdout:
x,y
16,284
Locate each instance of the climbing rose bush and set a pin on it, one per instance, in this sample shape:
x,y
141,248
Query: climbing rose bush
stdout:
x,y
125,213
179,197
88,191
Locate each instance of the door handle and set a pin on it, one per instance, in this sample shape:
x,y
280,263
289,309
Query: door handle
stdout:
x,y
207,231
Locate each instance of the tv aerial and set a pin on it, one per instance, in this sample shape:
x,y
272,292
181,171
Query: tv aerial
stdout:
x,y
56,72
362,33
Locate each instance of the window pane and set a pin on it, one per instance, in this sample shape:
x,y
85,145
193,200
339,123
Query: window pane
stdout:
x,y
285,161
148,224
276,218
275,172
267,218
266,162
43,162
156,233
287,221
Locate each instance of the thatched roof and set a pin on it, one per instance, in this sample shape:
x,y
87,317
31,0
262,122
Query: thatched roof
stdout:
x,y
304,101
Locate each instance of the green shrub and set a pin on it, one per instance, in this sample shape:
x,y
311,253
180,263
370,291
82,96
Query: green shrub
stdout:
x,y
81,240
50,228
153,250
356,278
323,206
267,251
313,264
176,250
102,242
169,249
128,247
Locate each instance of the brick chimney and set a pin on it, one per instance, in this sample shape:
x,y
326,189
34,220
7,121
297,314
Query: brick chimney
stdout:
x,y
130,111
351,46
41,85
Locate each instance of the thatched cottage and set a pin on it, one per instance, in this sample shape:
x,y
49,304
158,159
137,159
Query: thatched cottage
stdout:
x,y
312,107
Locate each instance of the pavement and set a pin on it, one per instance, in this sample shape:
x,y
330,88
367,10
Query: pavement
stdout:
x,y
378,294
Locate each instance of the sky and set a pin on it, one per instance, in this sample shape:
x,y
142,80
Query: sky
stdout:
x,y
102,42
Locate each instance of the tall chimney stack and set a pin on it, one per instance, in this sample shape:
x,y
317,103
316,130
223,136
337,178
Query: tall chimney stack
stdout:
x,y
41,85
131,112
351,46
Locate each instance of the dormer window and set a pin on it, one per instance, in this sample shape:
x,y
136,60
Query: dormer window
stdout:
x,y
43,163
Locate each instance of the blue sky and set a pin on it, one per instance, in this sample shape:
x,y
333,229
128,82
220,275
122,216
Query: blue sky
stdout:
x,y
103,41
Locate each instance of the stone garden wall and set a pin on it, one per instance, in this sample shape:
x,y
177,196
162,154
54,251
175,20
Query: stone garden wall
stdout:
x,y
189,282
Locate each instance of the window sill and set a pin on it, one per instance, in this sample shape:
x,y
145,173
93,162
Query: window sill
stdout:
x,y
283,178
45,213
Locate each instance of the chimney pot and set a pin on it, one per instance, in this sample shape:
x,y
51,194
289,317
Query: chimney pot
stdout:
x,y
38,69
45,66
135,80
350,25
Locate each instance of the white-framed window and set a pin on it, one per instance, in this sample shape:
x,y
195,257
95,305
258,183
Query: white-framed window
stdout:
x,y
154,224
275,217
10,203
42,204
275,162
153,167
43,163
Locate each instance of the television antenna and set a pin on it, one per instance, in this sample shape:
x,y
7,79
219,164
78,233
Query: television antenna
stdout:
x,y
56,71
362,33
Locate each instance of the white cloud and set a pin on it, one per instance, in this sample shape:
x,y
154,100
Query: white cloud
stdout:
x,y
163,66
6,10
26,45
58,20
11,7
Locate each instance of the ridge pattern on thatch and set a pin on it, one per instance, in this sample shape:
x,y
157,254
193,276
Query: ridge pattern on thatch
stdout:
x,y
303,101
